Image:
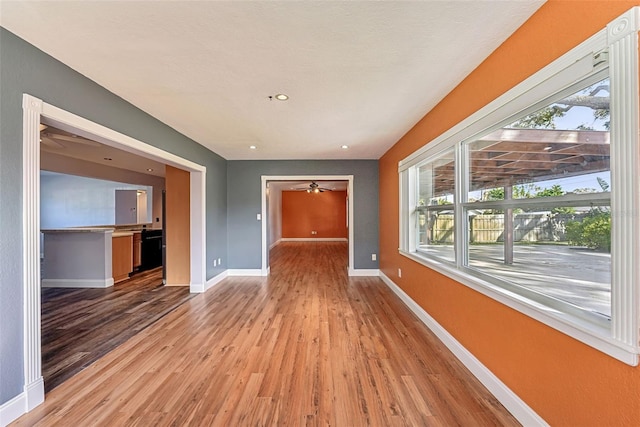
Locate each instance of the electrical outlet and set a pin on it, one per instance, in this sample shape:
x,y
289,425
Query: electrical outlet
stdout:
x,y
373,257
215,262
219,261
399,272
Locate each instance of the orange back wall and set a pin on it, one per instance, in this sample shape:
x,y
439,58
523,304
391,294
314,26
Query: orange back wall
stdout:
x,y
566,382
304,212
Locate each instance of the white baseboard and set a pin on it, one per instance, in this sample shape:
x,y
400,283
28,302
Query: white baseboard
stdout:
x,y
32,396
77,283
13,409
364,272
518,408
244,272
215,280
34,393
196,288
311,239
274,244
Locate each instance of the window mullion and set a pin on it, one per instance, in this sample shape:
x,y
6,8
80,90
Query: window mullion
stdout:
x,y
460,215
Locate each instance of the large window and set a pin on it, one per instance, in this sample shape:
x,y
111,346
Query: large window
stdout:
x,y
538,202
534,199
434,207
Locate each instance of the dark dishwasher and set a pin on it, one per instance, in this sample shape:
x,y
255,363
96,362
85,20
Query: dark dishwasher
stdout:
x,y
151,256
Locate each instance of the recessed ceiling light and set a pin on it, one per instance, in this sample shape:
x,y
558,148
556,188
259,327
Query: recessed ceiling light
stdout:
x,y
281,97
108,158
149,169
253,147
344,147
547,148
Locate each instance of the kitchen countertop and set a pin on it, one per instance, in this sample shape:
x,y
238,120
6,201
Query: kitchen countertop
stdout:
x,y
78,230
123,233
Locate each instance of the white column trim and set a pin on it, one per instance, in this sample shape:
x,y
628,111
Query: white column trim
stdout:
x,y
622,38
624,25
33,382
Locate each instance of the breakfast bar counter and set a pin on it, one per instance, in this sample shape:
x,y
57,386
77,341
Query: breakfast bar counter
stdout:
x,y
78,258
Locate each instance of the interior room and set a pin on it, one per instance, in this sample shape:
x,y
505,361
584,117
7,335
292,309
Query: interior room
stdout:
x,y
374,213
85,315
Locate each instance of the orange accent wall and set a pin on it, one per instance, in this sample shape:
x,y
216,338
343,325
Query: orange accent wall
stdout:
x,y
566,382
304,212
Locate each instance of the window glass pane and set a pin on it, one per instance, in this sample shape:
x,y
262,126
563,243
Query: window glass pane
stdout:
x,y
435,207
539,201
564,252
560,149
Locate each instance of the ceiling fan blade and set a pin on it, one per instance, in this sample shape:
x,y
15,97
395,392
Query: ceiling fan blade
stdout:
x,y
76,139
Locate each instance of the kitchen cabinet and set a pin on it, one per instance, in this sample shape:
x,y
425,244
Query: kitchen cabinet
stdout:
x,y
122,256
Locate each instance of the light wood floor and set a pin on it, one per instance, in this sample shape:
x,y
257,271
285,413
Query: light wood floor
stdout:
x,y
79,326
306,346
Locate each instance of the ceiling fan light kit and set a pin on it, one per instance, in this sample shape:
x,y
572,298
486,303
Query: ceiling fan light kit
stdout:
x,y
315,188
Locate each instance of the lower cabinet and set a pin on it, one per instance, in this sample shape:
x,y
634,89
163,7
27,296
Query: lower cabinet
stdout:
x,y
122,257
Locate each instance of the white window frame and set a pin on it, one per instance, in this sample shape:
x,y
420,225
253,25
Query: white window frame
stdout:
x,y
413,243
615,48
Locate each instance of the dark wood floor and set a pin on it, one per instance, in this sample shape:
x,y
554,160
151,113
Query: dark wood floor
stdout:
x,y
306,346
81,325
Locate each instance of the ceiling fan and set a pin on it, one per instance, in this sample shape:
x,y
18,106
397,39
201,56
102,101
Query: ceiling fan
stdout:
x,y
56,138
315,188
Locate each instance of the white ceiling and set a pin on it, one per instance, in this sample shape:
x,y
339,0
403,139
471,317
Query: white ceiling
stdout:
x,y
56,141
357,73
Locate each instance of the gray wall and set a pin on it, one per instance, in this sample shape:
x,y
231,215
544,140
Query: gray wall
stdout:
x,y
232,188
244,202
62,164
25,69
74,201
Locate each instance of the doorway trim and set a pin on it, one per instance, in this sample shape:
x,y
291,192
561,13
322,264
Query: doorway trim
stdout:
x,y
33,111
266,178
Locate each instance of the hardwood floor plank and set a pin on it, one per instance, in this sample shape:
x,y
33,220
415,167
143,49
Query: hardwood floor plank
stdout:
x,y
305,346
81,325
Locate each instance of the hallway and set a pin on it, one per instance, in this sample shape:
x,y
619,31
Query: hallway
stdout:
x,y
306,346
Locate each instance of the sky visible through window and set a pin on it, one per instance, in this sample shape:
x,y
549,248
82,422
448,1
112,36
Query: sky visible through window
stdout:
x,y
586,110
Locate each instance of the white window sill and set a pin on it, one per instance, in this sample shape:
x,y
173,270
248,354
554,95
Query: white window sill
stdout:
x,y
575,327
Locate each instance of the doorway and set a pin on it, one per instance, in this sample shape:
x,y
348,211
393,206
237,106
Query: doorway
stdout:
x,y
266,179
36,111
